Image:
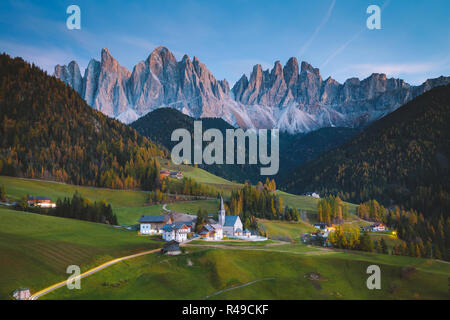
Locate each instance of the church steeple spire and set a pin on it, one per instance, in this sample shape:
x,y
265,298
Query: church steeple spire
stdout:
x,y
221,212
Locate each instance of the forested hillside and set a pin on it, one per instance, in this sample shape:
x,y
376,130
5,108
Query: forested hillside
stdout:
x,y
295,149
49,132
401,159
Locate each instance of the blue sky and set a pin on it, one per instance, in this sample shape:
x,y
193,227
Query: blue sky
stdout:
x,y
231,36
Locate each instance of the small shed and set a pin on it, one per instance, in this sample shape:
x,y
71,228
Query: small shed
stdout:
x,y
171,248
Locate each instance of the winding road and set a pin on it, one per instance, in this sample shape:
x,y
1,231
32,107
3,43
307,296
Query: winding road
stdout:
x,y
58,285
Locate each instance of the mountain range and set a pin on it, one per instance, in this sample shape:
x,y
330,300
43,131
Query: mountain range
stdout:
x,y
401,159
293,98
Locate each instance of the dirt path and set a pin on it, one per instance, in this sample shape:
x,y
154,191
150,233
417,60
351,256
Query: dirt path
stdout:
x,y
237,287
60,284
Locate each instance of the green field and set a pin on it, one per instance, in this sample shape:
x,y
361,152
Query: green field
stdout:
x,y
35,249
204,273
198,174
308,204
285,230
17,188
191,207
127,205
233,243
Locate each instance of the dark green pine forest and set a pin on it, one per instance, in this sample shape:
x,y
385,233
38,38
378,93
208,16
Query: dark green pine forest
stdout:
x,y
401,159
47,131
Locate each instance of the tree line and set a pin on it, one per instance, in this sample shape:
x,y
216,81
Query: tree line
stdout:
x,y
76,207
422,236
331,210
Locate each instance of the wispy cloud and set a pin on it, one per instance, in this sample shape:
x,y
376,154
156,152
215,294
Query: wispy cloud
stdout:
x,y
137,42
397,69
347,43
316,31
45,58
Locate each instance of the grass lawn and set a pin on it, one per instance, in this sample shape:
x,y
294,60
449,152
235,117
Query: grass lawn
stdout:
x,y
205,273
191,207
285,230
17,188
130,215
35,249
307,203
198,174
233,242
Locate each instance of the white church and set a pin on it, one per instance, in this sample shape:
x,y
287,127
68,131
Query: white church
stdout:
x,y
232,225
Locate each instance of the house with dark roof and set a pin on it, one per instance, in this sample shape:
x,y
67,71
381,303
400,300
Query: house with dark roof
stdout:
x,y
232,225
150,225
171,248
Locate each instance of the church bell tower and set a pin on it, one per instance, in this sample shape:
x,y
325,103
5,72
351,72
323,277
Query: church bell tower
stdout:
x,y
221,212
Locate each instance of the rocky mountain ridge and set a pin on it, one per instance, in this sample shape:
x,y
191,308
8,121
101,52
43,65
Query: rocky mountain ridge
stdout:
x,y
293,98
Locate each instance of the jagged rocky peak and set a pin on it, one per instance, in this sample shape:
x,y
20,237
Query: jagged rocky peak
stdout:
x,y
160,59
306,67
290,72
71,75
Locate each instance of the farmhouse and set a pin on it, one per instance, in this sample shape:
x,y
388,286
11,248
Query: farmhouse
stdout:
x,y
43,202
171,174
176,175
232,225
378,227
153,224
164,174
21,294
177,231
171,248
312,194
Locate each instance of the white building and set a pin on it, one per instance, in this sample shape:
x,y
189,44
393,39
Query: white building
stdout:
x,y
232,225
212,232
150,225
176,231
21,294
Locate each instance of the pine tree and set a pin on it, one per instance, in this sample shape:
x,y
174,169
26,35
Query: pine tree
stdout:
x,y
3,193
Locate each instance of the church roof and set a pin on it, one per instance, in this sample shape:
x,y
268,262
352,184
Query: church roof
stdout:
x,y
230,221
154,219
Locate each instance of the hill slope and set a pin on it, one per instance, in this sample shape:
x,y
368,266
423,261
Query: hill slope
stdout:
x,y
36,249
48,131
400,159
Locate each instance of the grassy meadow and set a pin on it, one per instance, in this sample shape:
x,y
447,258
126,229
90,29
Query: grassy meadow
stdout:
x,y
285,230
35,249
261,274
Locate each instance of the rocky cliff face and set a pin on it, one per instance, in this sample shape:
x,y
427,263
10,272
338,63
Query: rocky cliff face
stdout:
x,y
301,101
158,81
292,98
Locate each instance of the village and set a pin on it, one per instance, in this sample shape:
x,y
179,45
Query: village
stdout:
x,y
177,228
